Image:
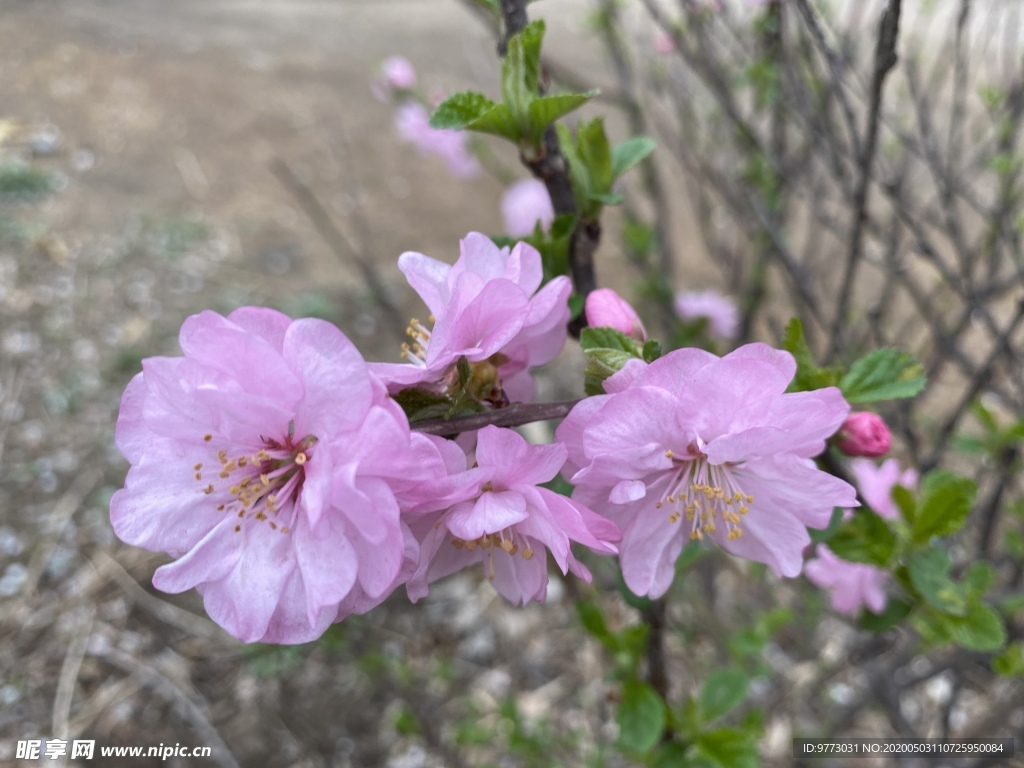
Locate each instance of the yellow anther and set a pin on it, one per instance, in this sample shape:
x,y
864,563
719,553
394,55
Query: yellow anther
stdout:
x,y
235,490
696,535
669,454
300,458
659,505
458,543
224,473
238,528
285,529
750,499
207,438
744,510
507,545
273,525
208,490
265,480
199,475
470,545
243,461
197,467
220,507
527,554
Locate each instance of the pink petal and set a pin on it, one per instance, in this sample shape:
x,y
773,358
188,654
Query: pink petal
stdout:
x,y
428,277
494,511
328,563
212,559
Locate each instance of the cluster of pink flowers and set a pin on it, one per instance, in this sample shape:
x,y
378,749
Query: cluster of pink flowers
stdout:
x,y
855,585
278,469
721,313
396,82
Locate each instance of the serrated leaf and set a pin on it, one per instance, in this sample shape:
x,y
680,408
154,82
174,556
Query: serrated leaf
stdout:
x,y
532,38
596,153
459,110
497,121
607,338
884,374
980,630
723,691
929,573
896,610
944,504
546,109
630,153
641,717
651,350
808,375
864,538
729,748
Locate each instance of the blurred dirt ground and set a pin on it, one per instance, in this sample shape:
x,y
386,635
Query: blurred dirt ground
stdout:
x,y
137,141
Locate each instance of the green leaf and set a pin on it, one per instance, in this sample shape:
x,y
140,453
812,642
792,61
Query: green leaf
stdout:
x,y
723,690
609,198
896,610
532,37
596,154
602,363
884,374
1010,663
608,338
979,578
651,350
808,375
820,536
578,174
729,748
630,153
593,621
672,755
514,90
459,110
905,501
497,121
417,401
547,109
944,504
980,630
641,717
929,573
864,538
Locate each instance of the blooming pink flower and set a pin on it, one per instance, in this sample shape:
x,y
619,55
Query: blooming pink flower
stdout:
x,y
722,315
851,585
604,307
413,125
864,434
265,461
500,517
486,306
876,484
524,204
694,445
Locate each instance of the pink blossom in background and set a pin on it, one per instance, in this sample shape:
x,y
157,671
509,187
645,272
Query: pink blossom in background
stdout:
x,y
721,312
396,74
850,585
664,43
523,205
263,461
488,306
498,516
864,434
413,124
877,481
604,307
694,445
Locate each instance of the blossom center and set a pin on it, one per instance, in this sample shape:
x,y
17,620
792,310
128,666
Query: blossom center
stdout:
x,y
706,494
416,353
263,485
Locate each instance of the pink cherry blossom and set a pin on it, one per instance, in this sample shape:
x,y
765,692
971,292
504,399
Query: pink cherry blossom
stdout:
x,y
850,585
498,516
694,445
604,307
413,124
864,434
397,74
490,307
525,204
722,315
877,481
266,461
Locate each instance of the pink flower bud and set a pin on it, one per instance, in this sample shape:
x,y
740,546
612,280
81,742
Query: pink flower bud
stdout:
x,y
396,74
864,434
605,307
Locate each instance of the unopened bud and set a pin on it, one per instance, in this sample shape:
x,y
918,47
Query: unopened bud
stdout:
x,y
864,434
605,308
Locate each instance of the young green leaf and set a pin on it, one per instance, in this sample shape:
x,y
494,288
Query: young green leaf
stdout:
x,y
884,374
864,538
608,338
546,109
459,110
497,121
896,610
596,154
630,153
729,748
723,690
808,375
943,506
929,573
641,717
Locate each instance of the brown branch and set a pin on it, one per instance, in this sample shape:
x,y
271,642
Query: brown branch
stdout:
x,y
512,416
885,60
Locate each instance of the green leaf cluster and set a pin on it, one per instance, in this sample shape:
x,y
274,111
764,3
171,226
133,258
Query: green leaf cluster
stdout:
x,y
594,165
524,113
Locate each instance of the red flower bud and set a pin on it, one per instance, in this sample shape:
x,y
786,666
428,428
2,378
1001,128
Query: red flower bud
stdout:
x,y
864,434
